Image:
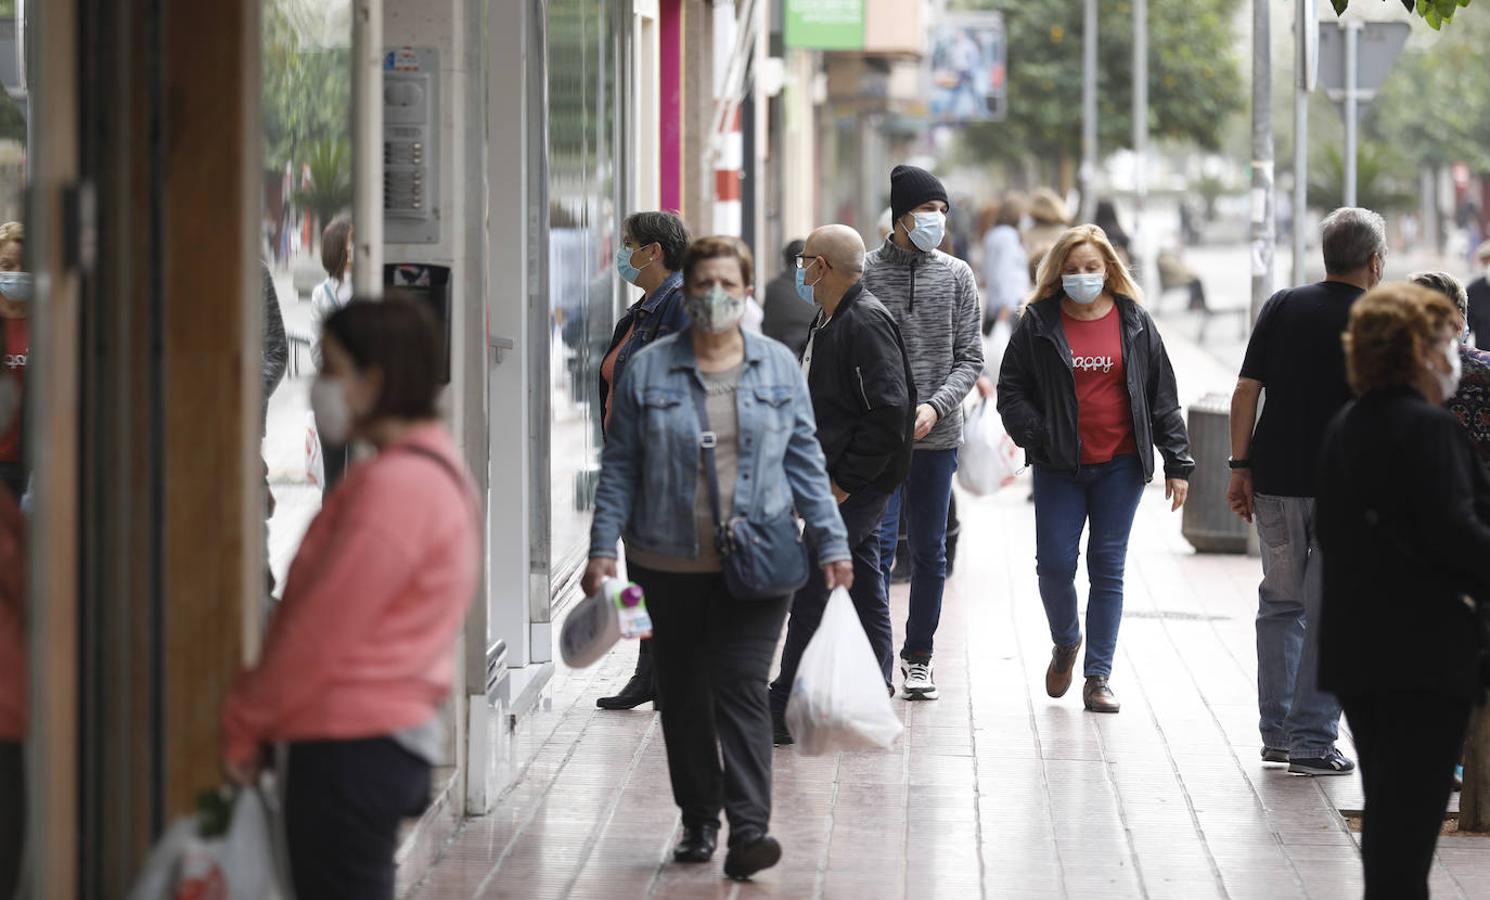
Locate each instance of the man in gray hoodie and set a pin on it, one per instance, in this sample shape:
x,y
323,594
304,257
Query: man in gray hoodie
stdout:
x,y
934,299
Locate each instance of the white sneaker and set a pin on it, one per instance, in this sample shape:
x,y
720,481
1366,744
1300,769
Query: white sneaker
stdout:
x,y
918,683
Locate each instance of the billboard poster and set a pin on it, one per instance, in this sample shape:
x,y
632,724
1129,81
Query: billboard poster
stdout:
x,y
966,68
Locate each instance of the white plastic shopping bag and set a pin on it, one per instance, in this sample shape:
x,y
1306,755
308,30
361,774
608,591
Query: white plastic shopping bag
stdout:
x,y
989,458
839,701
239,864
994,346
315,462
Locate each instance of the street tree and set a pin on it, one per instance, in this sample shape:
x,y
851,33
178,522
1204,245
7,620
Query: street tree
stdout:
x,y
307,90
1437,13
1195,80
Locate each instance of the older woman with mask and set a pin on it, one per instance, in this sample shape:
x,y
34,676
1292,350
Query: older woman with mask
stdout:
x,y
650,255
1404,524
711,426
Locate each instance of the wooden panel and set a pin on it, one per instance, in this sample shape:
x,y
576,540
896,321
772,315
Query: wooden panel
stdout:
x,y
213,347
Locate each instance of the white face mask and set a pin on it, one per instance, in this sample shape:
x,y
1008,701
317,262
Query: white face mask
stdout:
x,y
328,401
1448,383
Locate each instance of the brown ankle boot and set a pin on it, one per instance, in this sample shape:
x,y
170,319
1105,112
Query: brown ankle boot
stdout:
x,y
1098,697
1058,675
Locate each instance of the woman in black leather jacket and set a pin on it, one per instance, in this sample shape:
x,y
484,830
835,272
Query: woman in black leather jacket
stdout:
x,y
1087,390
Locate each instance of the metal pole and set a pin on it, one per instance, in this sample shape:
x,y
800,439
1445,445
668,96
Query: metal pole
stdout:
x,y
1143,258
1302,23
1352,68
367,147
1089,114
1263,225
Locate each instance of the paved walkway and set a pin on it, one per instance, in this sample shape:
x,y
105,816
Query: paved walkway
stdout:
x,y
995,790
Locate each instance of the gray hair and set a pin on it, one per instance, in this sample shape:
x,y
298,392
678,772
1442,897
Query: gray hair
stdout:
x,y
1349,237
1445,284
664,228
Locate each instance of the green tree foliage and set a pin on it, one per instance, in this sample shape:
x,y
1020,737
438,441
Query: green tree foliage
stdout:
x,y
1195,78
1437,13
330,191
1455,125
1379,182
307,89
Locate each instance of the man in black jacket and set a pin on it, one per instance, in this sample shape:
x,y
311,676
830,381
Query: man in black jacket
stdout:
x,y
864,396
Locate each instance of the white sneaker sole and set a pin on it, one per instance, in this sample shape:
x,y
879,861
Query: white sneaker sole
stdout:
x,y
920,694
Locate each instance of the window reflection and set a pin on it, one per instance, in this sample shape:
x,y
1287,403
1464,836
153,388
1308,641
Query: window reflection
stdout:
x,y
583,111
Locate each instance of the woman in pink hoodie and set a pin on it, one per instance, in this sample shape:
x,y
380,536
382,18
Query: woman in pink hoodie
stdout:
x,y
358,655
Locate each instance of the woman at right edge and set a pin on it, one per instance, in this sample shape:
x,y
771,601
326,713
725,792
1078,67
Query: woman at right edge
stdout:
x,y
1087,390
1404,523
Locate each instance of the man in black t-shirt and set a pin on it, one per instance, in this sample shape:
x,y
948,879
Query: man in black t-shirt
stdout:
x,y
1479,299
1296,355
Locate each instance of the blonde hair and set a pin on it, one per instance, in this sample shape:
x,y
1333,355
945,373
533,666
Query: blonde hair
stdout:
x,y
1048,276
12,231
1046,208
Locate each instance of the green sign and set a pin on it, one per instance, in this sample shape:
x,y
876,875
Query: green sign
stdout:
x,y
825,24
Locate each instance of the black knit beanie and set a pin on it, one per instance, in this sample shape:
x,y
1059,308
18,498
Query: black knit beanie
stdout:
x,y
910,187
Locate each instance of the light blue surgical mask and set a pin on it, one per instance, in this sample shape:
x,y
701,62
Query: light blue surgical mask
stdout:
x,y
1084,288
804,290
624,266
16,286
931,228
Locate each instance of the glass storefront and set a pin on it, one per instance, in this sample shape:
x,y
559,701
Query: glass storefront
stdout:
x,y
586,200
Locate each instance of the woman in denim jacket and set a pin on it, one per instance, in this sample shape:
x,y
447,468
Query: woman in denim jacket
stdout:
x,y
712,651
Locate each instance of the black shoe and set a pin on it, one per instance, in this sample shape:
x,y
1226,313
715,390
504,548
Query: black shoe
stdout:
x,y
752,853
1274,756
698,844
1332,763
781,736
642,688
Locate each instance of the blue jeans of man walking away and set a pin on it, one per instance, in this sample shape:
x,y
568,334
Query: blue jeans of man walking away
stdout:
x,y
1294,714
927,492
1107,496
861,513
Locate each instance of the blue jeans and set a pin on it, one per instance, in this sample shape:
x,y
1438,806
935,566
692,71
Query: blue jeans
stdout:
x,y
1106,495
861,513
1294,714
927,493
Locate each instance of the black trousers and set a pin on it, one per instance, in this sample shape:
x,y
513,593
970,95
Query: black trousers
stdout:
x,y
861,514
344,801
12,816
1409,743
712,654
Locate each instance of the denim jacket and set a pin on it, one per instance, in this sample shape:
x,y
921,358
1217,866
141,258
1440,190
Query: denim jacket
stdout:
x,y
649,468
657,316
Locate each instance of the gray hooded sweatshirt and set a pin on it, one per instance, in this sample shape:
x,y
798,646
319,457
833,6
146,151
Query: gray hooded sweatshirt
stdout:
x,y
934,299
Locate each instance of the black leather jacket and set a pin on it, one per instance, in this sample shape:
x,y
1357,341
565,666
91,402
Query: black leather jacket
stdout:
x,y
1037,392
863,395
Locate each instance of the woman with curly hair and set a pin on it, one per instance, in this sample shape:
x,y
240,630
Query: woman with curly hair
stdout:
x,y
1404,523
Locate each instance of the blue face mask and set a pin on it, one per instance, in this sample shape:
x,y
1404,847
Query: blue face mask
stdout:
x,y
16,286
931,228
1084,288
624,266
804,290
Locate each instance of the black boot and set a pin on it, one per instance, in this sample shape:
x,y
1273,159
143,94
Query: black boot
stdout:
x,y
642,688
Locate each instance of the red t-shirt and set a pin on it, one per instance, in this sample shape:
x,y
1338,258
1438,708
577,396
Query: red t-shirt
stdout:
x,y
13,364
1104,414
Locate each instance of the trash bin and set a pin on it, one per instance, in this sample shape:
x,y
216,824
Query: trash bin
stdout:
x,y
1209,524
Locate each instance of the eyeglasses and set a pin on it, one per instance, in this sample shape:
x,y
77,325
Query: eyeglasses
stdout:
x,y
805,261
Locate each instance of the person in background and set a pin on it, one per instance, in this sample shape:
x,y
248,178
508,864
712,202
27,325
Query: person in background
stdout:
x,y
1471,402
863,395
885,224
1087,390
712,649
650,257
328,297
788,316
934,299
1295,355
1006,278
1479,299
358,653
1049,219
16,288
1106,218
1404,523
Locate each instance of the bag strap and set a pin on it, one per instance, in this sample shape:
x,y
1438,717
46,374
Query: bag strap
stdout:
x,y
446,465
707,441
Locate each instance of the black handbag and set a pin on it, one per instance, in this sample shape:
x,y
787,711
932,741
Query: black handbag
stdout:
x,y
762,561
